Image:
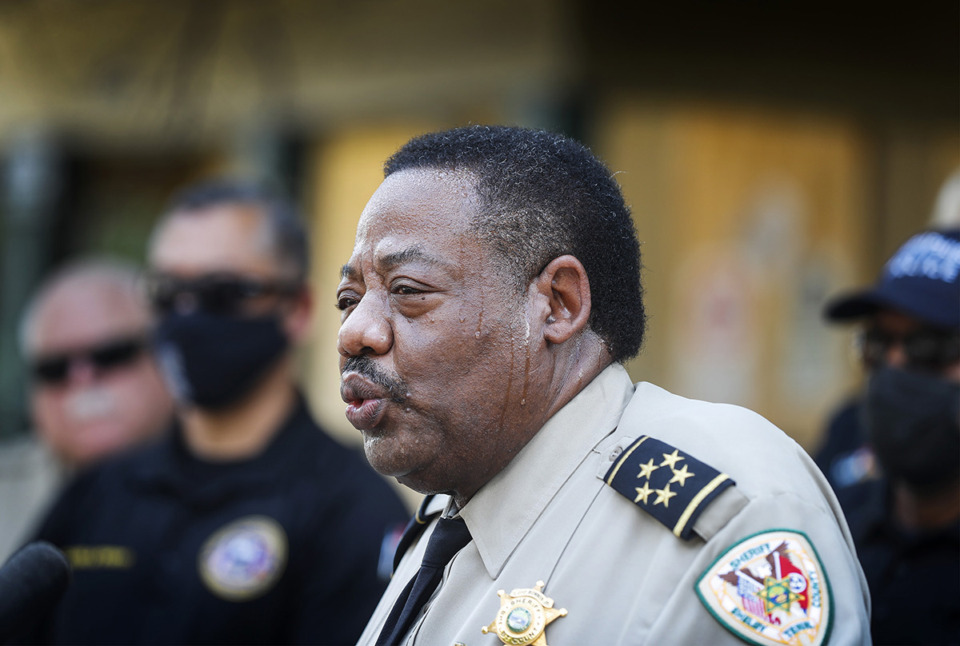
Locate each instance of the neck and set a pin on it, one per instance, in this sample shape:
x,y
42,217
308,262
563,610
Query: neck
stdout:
x,y
243,430
574,366
917,511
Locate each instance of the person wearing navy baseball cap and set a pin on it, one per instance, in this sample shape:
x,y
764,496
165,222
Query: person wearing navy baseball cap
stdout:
x,y
899,486
920,281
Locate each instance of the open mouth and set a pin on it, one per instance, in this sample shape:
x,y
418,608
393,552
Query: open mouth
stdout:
x,y
366,401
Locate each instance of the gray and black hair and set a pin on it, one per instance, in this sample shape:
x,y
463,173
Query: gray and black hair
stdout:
x,y
544,195
288,235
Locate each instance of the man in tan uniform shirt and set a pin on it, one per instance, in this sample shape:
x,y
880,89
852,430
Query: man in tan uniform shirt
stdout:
x,y
491,297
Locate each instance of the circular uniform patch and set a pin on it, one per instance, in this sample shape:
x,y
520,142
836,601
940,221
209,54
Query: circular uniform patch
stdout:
x,y
770,588
244,559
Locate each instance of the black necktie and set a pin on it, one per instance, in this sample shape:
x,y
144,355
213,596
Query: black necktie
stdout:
x,y
448,538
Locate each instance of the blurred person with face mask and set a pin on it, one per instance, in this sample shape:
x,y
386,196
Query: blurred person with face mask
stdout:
x,y
905,519
247,523
94,386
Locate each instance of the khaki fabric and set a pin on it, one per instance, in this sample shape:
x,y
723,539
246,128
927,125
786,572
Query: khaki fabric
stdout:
x,y
622,576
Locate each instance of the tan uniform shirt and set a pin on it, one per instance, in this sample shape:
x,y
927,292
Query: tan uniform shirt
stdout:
x,y
622,576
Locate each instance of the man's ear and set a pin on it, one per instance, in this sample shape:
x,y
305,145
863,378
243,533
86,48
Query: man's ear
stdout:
x,y
564,285
300,315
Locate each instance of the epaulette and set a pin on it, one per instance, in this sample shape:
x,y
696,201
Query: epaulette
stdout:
x,y
672,486
415,527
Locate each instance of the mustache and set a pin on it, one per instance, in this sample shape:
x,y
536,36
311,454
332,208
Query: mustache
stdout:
x,y
367,368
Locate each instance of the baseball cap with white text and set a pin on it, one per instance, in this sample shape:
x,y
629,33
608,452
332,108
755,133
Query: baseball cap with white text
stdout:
x,y
922,280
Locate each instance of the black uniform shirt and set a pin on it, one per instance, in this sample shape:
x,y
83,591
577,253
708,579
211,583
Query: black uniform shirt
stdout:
x,y
914,577
280,548
845,456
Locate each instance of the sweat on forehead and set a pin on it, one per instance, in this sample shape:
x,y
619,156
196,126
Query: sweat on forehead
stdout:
x,y
427,188
417,218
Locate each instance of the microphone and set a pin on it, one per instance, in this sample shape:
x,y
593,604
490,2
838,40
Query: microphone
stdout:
x,y
31,583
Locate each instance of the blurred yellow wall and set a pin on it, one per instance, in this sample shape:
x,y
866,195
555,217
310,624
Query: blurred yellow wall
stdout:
x,y
749,219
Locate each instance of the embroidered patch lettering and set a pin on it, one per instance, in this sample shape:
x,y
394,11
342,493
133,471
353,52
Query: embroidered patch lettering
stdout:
x,y
672,486
94,557
770,588
244,559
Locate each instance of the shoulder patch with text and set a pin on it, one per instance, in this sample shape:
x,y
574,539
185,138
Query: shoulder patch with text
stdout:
x,y
244,559
670,485
769,589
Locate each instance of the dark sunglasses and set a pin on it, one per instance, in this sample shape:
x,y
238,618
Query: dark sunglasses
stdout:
x,y
925,349
54,369
216,294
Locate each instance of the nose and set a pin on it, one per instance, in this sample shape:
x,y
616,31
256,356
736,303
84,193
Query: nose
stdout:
x,y
81,371
895,356
367,330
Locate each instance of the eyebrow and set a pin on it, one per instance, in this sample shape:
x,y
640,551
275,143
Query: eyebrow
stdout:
x,y
395,259
410,254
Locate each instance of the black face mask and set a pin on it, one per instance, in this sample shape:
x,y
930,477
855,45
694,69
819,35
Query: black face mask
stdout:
x,y
212,361
913,421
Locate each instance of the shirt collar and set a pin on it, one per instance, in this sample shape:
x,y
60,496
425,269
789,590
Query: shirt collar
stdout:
x,y
517,496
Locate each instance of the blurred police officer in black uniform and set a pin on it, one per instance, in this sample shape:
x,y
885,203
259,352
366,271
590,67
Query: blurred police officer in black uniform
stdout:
x,y
246,523
906,522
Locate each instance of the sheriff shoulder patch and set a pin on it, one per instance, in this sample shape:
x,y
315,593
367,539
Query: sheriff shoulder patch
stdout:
x,y
672,486
770,588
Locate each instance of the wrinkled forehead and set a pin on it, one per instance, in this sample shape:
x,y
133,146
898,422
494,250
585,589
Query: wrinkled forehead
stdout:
x,y
422,216
419,201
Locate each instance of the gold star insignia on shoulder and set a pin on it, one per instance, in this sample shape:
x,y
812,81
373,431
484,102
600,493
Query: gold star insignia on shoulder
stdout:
x,y
679,492
643,493
646,470
664,495
523,616
671,459
680,475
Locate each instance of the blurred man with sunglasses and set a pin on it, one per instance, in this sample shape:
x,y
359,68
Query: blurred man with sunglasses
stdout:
x,y
905,517
246,524
94,388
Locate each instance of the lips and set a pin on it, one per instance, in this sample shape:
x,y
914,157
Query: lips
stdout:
x,y
366,401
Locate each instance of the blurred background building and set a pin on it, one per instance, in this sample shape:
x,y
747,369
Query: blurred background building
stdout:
x,y
773,153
